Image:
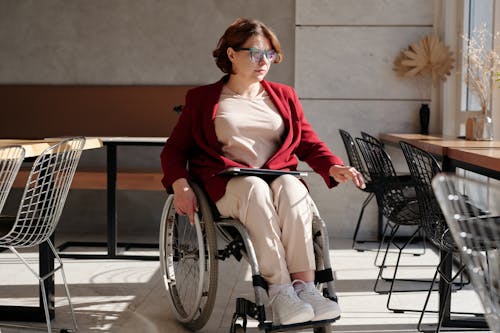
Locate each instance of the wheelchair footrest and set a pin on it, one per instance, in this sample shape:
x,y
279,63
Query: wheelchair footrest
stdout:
x,y
269,327
248,308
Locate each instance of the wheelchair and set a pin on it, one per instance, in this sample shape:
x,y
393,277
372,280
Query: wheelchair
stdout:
x,y
189,256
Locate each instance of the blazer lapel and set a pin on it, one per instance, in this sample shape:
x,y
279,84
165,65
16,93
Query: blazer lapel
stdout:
x,y
210,109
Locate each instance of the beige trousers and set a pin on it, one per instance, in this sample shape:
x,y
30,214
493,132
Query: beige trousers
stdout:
x,y
278,218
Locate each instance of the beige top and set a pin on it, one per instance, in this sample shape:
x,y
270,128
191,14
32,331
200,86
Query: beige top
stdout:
x,y
250,129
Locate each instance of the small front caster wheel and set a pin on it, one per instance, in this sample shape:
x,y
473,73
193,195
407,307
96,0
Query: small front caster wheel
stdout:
x,y
239,329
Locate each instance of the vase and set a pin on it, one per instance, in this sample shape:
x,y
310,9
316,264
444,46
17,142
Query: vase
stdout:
x,y
483,127
424,115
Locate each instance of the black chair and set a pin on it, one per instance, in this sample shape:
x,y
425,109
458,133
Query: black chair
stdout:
x,y
356,161
423,168
399,205
371,138
405,179
477,235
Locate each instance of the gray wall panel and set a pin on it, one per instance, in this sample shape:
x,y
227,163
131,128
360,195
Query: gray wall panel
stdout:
x,y
365,12
354,62
126,41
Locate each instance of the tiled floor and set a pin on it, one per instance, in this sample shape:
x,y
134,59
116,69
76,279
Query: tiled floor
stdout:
x,y
129,296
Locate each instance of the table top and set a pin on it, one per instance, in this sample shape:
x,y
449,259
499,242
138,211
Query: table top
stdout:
x,y
34,148
396,137
488,158
133,140
437,144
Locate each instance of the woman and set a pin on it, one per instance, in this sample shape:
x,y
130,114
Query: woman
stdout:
x,y
245,121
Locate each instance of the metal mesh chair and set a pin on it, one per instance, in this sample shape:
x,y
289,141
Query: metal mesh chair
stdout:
x,y
398,206
356,161
472,212
41,207
372,139
11,158
424,167
405,180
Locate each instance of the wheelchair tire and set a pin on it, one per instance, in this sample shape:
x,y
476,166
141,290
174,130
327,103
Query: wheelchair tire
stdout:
x,y
191,283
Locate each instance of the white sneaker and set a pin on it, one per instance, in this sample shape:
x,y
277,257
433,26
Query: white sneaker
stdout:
x,y
289,309
324,308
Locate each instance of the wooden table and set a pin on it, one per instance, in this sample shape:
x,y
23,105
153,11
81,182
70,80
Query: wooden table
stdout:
x,y
34,148
481,157
436,144
485,161
112,244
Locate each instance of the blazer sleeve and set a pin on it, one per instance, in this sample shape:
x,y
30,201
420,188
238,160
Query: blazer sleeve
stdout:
x,y
178,148
312,150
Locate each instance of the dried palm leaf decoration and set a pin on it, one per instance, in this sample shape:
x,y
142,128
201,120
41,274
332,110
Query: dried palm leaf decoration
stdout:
x,y
428,56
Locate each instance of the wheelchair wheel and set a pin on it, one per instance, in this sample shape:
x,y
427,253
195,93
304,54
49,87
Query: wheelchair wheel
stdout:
x,y
188,262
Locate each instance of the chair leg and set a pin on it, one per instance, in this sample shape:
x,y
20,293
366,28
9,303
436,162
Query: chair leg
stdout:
x,y
449,283
419,325
394,279
63,274
42,287
41,281
45,304
382,266
387,225
365,203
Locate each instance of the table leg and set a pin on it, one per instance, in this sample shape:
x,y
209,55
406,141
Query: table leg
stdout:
x,y
35,313
111,199
111,243
46,264
445,297
445,293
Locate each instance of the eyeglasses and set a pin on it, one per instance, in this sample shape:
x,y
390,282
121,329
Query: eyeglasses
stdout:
x,y
256,55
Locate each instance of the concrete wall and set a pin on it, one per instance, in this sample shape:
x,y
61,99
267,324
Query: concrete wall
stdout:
x,y
165,42
344,51
127,41
338,54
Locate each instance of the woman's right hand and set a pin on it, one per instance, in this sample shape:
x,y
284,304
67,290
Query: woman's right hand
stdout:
x,y
185,202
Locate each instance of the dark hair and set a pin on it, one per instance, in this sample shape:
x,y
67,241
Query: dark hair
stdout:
x,y
236,35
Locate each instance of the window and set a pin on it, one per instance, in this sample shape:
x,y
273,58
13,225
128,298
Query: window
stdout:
x,y
477,14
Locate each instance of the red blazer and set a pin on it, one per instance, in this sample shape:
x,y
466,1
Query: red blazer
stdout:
x,y
193,141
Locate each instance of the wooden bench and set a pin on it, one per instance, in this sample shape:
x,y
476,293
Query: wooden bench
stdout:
x,y
96,180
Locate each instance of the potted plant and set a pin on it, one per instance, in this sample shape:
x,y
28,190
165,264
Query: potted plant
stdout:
x,y
481,65
427,57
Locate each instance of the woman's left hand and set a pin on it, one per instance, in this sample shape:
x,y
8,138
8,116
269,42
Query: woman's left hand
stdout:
x,y
343,174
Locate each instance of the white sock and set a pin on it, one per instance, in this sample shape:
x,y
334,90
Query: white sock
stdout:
x,y
300,286
274,289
